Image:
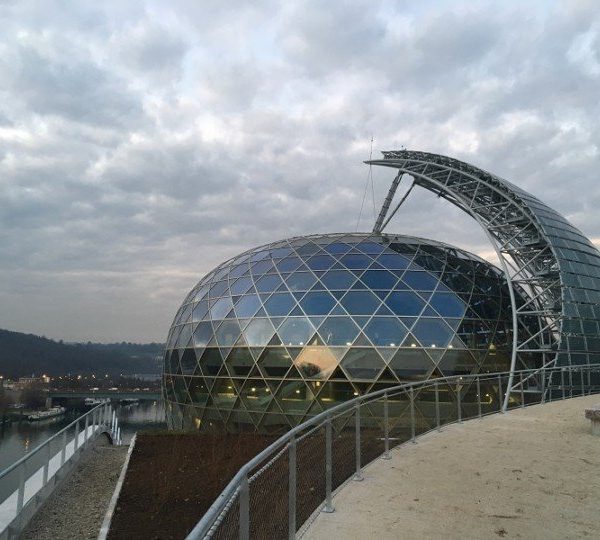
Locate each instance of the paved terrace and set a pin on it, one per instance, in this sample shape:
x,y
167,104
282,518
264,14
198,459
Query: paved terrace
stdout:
x,y
532,473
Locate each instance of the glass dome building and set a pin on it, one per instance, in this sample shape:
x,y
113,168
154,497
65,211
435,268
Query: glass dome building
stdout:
x,y
286,330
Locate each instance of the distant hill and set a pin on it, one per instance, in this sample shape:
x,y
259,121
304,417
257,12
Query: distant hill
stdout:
x,y
26,354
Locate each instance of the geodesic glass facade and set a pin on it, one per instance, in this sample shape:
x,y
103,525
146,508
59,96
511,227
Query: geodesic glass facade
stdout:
x,y
286,330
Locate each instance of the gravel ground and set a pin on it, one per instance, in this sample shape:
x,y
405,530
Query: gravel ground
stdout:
x,y
76,509
531,474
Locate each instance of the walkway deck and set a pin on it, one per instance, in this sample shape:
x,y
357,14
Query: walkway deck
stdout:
x,y
532,473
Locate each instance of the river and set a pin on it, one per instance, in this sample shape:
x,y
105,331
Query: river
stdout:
x,y
21,437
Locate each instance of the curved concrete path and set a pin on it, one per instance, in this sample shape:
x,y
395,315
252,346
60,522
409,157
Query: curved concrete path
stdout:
x,y
532,473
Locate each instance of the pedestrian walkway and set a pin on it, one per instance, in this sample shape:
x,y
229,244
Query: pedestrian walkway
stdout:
x,y
531,473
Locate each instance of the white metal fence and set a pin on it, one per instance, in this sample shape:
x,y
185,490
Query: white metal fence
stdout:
x,y
27,483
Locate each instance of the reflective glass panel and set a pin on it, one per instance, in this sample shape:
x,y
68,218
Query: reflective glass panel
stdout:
x,y
338,279
241,286
362,363
259,332
247,306
420,281
356,261
338,331
228,333
432,332
360,302
385,331
405,303
268,283
300,281
317,303
200,310
221,308
202,334
279,305
295,331
320,262
448,305
316,362
379,279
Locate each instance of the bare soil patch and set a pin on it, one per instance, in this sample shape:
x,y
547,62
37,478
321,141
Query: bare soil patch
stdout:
x,y
173,478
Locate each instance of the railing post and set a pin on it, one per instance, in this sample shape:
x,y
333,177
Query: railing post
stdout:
x,y
562,381
357,473
86,426
63,450
458,403
582,385
437,405
478,397
522,391
543,385
76,440
500,390
292,489
244,519
412,416
46,464
21,493
328,508
570,382
386,428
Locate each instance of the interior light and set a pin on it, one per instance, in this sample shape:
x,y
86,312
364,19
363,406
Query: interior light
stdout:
x,y
413,344
356,393
348,343
253,389
297,391
392,344
318,383
433,345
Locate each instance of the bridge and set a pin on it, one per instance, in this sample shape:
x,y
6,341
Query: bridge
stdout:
x,y
26,484
105,394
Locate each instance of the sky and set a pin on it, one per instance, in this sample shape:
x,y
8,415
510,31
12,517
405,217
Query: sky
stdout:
x,y
143,142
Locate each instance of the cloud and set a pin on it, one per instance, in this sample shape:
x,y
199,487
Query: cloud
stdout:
x,y
143,143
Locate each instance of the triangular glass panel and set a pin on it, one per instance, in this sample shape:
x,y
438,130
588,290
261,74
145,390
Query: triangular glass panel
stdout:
x,y
362,363
384,310
386,375
359,285
361,320
316,321
435,354
230,315
294,351
297,311
337,295
429,312
387,352
338,374
274,340
362,341
337,310
256,351
241,342
260,313
316,341
224,352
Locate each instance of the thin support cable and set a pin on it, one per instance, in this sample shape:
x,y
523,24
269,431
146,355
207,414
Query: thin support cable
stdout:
x,y
369,178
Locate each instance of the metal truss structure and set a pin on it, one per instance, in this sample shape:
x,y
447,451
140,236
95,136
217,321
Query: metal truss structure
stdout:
x,y
541,253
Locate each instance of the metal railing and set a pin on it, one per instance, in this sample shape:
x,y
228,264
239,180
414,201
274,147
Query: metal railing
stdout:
x,y
278,491
27,483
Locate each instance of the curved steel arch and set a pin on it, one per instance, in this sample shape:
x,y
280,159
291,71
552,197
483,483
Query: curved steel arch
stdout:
x,y
542,254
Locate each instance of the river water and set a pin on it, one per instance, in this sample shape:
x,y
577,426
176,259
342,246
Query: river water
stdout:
x,y
21,437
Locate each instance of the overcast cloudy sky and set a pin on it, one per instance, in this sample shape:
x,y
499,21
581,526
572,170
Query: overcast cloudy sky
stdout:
x,y
141,143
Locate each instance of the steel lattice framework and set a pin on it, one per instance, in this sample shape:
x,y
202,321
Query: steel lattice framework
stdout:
x,y
541,253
